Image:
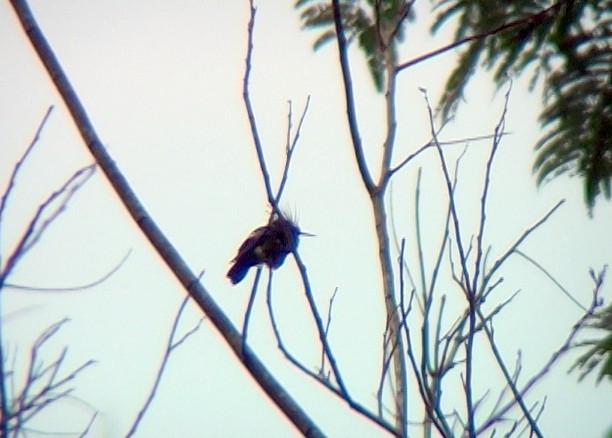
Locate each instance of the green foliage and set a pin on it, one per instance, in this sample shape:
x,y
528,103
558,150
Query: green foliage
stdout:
x,y
570,44
600,353
377,25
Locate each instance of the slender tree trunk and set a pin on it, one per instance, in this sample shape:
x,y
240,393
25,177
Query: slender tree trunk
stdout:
x,y
395,348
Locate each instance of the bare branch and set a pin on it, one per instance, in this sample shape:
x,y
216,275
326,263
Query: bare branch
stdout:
x,y
247,313
86,430
172,344
520,240
318,376
351,111
551,277
499,129
520,394
71,288
431,144
9,188
478,37
250,113
153,233
43,386
465,273
320,328
39,224
290,147
327,326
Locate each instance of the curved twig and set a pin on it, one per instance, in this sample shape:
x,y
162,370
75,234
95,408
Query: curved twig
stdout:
x,y
71,288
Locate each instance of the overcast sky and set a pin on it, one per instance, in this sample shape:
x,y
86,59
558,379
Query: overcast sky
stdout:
x,y
162,83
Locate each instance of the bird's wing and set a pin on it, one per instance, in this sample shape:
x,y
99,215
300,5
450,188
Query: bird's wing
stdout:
x,y
251,242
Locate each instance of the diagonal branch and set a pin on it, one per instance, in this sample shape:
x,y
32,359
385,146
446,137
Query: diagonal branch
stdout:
x,y
535,17
9,188
153,233
38,225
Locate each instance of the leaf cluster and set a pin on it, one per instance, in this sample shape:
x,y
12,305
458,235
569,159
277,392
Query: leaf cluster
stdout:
x,y
377,25
600,352
566,43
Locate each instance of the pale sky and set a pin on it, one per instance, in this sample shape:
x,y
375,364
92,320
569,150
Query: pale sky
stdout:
x,y
162,83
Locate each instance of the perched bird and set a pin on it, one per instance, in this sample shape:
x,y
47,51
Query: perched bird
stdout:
x,y
268,245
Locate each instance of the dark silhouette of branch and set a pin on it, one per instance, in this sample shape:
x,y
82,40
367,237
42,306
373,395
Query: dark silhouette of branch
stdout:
x,y
3,203
86,430
290,146
350,101
535,17
465,277
273,199
320,377
510,382
376,192
499,129
38,224
251,115
9,188
320,328
170,347
596,302
327,327
47,212
516,244
247,313
43,385
152,232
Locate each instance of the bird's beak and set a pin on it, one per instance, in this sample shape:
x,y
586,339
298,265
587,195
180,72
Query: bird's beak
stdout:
x,y
302,233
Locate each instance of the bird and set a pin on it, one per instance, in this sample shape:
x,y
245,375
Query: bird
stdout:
x,y
267,245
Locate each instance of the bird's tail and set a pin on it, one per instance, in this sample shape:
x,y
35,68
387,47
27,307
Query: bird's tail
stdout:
x,y
237,272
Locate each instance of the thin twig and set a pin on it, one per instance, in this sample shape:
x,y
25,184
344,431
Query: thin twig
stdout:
x,y
9,188
43,386
499,262
290,147
431,144
249,109
465,273
327,326
318,377
35,229
485,190
172,344
320,328
38,225
247,313
405,266
551,278
90,285
449,186
519,395
88,427
478,37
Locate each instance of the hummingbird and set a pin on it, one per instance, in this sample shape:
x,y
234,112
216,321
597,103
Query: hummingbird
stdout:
x,y
267,245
